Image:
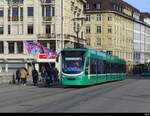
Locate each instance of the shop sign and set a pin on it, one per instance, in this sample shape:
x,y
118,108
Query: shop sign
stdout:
x,y
44,58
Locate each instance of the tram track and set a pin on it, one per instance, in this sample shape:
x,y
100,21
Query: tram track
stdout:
x,y
22,97
75,98
55,99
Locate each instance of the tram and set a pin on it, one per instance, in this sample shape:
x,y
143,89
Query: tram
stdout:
x,y
84,67
146,69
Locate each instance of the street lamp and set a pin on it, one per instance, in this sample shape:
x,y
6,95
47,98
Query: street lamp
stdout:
x,y
77,29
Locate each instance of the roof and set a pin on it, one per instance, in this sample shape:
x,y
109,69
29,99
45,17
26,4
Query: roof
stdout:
x,y
108,4
144,15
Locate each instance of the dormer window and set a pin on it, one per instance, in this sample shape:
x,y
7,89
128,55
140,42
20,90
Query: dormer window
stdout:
x,y
98,6
87,6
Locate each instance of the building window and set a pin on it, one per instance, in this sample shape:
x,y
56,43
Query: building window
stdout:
x,y
11,48
98,29
9,29
48,11
88,18
88,41
21,12
53,11
1,13
109,18
87,6
114,7
15,12
98,41
19,47
98,6
30,29
48,29
98,17
8,12
1,30
109,29
82,34
88,29
1,47
30,11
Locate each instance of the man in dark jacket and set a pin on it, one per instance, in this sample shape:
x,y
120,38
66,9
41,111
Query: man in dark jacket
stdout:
x,y
56,75
18,75
35,76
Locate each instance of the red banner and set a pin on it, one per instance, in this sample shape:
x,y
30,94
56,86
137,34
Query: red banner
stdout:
x,y
44,58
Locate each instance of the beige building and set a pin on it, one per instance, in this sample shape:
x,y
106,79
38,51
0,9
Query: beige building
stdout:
x,y
109,27
55,24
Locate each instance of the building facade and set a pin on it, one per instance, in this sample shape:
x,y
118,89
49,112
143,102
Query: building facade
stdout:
x,y
113,33
115,26
55,24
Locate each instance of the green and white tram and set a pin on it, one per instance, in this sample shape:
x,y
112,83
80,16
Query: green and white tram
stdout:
x,y
87,67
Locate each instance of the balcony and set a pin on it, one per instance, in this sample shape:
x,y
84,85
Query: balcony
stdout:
x,y
46,35
47,18
15,2
47,2
15,18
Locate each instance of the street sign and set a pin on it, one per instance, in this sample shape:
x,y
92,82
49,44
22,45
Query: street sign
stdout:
x,y
44,58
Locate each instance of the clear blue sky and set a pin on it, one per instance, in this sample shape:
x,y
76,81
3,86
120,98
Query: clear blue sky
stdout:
x,y
142,5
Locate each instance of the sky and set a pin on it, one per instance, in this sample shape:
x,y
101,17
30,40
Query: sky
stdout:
x,y
142,5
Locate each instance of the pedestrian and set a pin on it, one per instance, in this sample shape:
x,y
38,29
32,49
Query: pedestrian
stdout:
x,y
56,73
13,79
18,75
48,79
35,76
43,73
23,75
53,78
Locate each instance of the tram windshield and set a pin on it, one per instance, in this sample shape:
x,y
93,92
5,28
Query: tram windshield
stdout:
x,y
72,62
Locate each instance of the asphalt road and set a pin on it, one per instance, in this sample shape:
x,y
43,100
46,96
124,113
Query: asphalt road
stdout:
x,y
129,95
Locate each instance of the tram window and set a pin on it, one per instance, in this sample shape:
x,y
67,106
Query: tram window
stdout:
x,y
117,68
120,68
112,67
100,67
87,70
124,68
107,67
93,66
117,71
